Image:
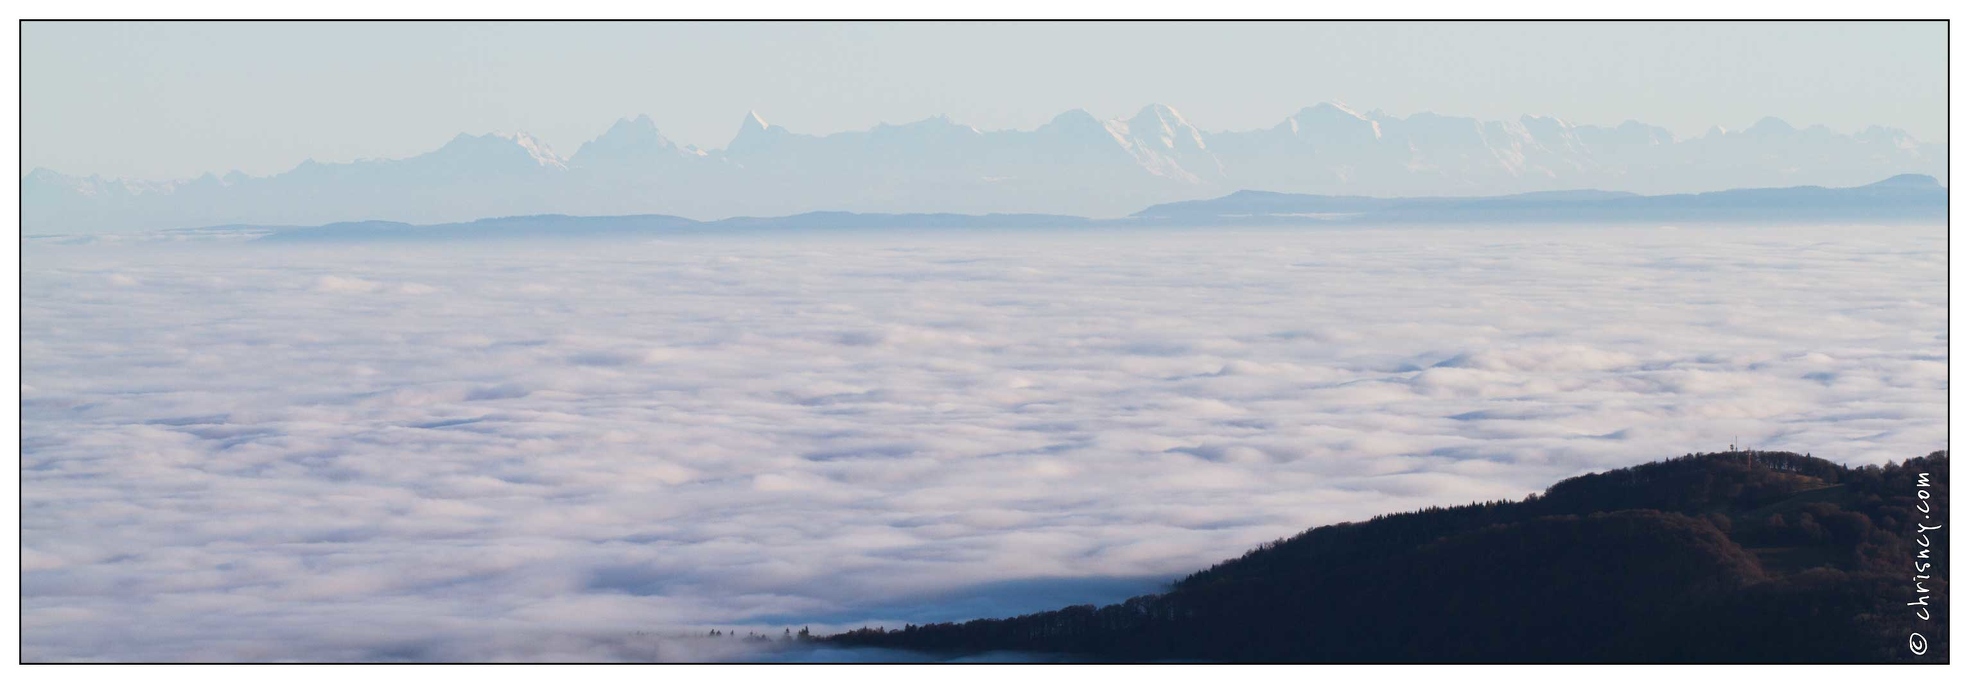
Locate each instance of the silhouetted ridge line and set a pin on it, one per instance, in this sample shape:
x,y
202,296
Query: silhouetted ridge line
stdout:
x,y
1747,556
1895,200
1907,197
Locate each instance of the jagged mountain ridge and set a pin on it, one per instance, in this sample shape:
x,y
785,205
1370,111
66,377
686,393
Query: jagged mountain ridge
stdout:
x,y
1073,164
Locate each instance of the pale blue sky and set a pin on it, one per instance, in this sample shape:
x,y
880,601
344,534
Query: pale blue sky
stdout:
x,y
174,100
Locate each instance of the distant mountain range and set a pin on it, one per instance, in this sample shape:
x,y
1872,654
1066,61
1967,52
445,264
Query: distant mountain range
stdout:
x,y
1901,199
1737,557
1075,164
1907,197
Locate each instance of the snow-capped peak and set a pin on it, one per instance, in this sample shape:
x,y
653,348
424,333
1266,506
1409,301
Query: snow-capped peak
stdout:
x,y
641,123
1340,107
1073,119
630,142
1162,112
1164,127
753,122
751,132
541,154
493,143
1331,122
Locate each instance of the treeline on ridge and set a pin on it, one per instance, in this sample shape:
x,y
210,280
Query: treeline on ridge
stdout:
x,y
1722,557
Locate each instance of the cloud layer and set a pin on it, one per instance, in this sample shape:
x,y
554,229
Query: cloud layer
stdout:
x,y
528,452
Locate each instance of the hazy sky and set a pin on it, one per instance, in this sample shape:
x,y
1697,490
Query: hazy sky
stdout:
x,y
169,100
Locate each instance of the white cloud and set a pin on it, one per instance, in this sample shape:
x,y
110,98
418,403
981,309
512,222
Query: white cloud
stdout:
x,y
504,452
341,284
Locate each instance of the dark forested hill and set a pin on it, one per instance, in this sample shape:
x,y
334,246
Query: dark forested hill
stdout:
x,y
1728,557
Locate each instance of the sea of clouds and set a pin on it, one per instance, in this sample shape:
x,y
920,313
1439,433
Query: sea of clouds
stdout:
x,y
586,452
